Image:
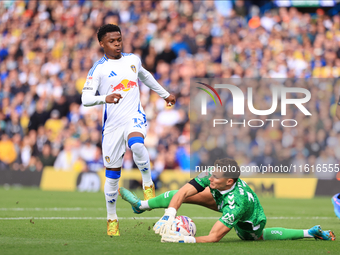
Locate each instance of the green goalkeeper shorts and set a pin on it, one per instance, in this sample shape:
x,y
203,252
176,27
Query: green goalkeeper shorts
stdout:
x,y
246,231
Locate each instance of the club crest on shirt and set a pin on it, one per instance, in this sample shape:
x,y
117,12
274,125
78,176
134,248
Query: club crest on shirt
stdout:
x,y
133,68
107,158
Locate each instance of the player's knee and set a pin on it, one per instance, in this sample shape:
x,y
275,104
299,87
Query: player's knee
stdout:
x,y
112,174
136,144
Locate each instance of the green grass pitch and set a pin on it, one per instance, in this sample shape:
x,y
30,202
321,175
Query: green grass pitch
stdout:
x,y
74,223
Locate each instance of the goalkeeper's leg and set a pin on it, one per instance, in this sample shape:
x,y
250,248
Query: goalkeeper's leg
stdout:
x,y
292,234
203,198
139,206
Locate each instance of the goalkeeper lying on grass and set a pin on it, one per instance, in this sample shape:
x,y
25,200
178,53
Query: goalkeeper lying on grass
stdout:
x,y
221,191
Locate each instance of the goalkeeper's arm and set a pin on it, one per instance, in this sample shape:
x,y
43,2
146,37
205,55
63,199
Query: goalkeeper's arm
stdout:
x,y
218,231
167,222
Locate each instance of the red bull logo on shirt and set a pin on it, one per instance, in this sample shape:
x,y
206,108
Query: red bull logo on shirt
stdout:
x,y
124,85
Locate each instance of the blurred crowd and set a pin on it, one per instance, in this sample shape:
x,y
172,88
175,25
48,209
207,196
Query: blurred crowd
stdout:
x,y
48,47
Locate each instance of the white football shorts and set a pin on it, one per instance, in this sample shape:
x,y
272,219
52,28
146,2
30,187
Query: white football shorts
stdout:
x,y
114,143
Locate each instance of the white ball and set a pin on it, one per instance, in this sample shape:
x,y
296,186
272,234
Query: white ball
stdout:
x,y
185,226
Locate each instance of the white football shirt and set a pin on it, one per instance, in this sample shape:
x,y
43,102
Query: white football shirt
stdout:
x,y
108,76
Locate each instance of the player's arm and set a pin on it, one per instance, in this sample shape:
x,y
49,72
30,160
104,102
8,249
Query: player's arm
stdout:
x,y
196,185
218,231
337,111
89,97
147,78
167,222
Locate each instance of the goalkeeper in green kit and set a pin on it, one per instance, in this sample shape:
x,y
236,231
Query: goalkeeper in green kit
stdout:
x,y
220,190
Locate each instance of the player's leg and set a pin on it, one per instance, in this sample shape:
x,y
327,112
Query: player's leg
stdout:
x,y
293,234
111,193
247,231
336,204
135,139
113,146
139,206
203,198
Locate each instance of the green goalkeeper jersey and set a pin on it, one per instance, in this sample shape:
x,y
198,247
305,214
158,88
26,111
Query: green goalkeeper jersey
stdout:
x,y
239,205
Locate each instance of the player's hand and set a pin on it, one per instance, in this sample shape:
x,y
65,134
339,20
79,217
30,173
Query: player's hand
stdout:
x,y
170,100
166,223
172,237
176,237
113,98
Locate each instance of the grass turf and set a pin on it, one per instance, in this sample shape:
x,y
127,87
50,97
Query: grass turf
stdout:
x,y
34,235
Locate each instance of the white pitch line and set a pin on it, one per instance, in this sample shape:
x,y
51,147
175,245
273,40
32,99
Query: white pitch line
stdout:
x,y
154,218
78,218
273,218
43,209
57,209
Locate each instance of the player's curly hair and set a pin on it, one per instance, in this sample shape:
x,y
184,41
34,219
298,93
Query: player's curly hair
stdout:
x,y
229,167
107,29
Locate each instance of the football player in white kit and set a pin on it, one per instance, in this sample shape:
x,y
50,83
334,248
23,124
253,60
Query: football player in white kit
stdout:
x,y
115,78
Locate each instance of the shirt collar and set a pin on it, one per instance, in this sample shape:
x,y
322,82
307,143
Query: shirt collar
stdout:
x,y
109,59
228,190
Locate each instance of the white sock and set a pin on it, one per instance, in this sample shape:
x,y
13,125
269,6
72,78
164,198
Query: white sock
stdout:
x,y
141,158
144,205
111,194
305,234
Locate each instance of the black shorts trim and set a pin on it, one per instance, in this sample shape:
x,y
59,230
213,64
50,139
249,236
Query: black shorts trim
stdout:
x,y
198,187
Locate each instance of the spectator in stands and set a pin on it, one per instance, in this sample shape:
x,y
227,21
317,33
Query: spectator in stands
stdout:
x,y
8,153
39,117
46,157
88,151
54,126
67,157
96,163
13,126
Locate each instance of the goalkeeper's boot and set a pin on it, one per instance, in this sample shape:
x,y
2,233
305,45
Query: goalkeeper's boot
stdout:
x,y
113,228
336,203
132,199
149,192
318,233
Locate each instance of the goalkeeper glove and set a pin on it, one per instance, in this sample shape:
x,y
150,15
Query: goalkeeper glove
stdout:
x,y
167,222
176,237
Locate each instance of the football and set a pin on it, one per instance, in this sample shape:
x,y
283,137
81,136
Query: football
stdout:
x,y
185,226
